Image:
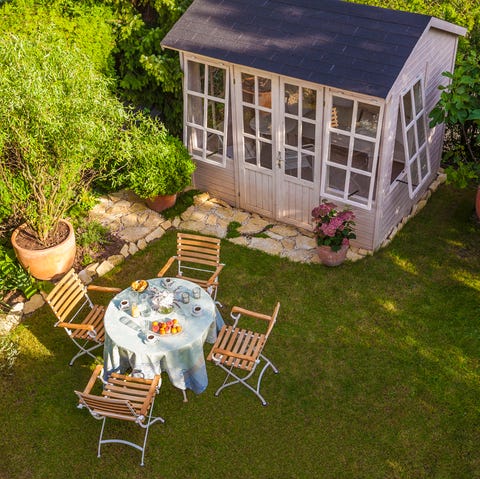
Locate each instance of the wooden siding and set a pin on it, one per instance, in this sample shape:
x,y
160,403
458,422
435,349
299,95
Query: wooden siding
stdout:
x,y
218,181
364,227
433,55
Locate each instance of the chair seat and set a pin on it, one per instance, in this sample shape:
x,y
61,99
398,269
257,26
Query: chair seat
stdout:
x,y
137,391
239,351
123,397
237,347
94,318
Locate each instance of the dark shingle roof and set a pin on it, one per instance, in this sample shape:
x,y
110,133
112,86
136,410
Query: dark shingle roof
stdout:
x,y
335,43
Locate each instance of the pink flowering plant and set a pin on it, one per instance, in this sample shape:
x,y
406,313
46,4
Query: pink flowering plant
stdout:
x,y
332,227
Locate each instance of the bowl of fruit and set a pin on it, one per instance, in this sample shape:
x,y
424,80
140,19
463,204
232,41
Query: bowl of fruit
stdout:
x,y
139,285
170,327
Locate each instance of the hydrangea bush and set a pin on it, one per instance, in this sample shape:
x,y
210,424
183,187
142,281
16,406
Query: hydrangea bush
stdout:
x,y
332,227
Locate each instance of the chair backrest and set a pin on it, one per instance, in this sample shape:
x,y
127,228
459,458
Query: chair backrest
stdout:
x,y
272,320
198,249
68,297
99,406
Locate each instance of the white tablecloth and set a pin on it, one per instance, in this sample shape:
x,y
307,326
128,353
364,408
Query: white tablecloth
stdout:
x,y
180,355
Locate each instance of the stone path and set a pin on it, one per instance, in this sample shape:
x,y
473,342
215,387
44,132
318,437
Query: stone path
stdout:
x,y
136,224
128,216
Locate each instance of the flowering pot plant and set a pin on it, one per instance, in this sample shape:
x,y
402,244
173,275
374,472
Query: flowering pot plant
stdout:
x,y
332,227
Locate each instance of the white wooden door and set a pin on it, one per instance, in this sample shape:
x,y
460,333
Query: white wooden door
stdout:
x,y
256,145
298,172
278,146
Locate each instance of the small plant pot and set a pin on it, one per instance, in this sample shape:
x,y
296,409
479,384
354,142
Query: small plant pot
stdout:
x,y
332,258
48,263
161,202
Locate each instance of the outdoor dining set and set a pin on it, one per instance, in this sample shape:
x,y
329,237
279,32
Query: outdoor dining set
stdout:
x,y
156,326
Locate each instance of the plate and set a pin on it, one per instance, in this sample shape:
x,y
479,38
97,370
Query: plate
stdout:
x,y
139,285
166,328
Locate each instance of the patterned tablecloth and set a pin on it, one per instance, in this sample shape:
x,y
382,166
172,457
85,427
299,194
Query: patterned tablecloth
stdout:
x,y
180,355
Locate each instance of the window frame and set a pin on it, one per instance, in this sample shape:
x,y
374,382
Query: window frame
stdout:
x,y
206,156
421,115
352,136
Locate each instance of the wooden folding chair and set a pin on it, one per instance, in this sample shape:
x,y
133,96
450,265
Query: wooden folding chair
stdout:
x,y
242,349
81,319
198,254
125,398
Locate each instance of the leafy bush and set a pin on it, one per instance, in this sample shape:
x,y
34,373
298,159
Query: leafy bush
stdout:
x,y
459,109
149,76
159,163
59,123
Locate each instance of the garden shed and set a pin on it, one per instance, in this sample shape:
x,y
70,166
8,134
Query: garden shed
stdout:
x,y
288,102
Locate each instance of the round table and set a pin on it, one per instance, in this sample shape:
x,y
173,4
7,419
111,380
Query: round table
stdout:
x,y
180,355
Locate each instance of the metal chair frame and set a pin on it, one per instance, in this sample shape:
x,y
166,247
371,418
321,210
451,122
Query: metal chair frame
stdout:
x,y
197,250
68,300
241,349
125,398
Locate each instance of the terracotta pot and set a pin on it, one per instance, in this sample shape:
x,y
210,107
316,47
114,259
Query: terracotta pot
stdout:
x,y
161,202
332,258
48,263
477,203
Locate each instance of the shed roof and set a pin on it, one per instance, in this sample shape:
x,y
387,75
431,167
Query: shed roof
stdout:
x,y
335,43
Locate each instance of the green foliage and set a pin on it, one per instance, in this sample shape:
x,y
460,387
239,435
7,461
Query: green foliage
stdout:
x,y
232,229
459,109
148,75
159,164
9,350
59,123
13,277
86,25
91,232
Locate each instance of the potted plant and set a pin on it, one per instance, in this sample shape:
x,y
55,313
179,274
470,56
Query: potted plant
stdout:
x,y
160,165
333,231
59,123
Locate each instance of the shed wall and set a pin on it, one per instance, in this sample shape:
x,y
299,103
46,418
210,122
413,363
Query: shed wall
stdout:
x,y
434,54
219,182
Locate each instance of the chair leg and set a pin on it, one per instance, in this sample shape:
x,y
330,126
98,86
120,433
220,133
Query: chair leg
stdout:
x,y
83,351
243,380
100,438
151,420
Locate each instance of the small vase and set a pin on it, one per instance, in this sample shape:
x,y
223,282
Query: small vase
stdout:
x,y
332,258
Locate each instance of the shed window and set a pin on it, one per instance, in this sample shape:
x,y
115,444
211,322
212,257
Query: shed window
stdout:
x,y
351,163
411,147
208,135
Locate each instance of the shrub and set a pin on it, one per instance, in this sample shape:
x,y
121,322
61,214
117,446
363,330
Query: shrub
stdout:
x,y
159,163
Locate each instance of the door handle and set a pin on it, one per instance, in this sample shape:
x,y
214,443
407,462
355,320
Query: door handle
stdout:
x,y
279,159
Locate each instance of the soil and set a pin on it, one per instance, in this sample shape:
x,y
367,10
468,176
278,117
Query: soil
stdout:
x,y
27,239
112,245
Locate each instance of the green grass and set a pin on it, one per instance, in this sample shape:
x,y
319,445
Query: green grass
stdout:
x,y
378,359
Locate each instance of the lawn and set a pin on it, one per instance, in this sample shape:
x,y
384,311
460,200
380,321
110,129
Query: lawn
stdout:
x,y
378,359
